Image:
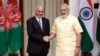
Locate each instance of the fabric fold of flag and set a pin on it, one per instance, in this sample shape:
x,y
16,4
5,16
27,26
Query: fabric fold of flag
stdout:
x,y
86,21
14,26
3,44
98,25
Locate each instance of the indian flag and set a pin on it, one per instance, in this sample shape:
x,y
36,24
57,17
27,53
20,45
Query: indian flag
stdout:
x,y
98,25
86,21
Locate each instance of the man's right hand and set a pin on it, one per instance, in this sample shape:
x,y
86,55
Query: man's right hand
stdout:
x,y
46,38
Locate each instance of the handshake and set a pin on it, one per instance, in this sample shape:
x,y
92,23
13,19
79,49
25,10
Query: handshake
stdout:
x,y
46,38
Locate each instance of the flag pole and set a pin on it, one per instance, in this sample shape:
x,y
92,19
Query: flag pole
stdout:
x,y
21,9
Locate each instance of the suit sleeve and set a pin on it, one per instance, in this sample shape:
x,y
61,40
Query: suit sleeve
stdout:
x,y
31,34
48,26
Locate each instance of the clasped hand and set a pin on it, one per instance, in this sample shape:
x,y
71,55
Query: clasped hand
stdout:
x,y
46,38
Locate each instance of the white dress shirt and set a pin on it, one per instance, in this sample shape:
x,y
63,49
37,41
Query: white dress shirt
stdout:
x,y
40,22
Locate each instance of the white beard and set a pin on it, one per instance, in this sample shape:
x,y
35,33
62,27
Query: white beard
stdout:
x,y
63,16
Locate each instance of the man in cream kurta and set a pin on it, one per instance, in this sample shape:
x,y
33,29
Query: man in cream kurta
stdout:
x,y
67,30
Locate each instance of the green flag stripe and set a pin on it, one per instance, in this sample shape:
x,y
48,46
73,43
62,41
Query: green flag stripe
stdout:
x,y
86,42
3,44
98,31
15,38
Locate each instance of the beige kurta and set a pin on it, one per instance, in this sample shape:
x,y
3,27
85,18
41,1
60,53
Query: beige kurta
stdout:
x,y
66,30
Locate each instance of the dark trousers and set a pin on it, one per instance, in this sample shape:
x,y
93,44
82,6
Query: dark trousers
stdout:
x,y
30,54
44,52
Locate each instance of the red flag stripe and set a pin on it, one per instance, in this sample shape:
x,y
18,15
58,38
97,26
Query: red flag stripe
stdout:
x,y
13,14
2,16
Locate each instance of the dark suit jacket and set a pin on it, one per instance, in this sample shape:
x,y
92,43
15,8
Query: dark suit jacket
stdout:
x,y
35,34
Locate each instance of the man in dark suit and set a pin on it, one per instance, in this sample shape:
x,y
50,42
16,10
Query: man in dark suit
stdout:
x,y
38,29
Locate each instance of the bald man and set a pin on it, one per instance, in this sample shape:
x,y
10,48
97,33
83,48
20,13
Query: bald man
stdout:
x,y
38,29
67,30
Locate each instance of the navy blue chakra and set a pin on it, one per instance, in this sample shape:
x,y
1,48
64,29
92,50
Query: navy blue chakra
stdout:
x,y
86,13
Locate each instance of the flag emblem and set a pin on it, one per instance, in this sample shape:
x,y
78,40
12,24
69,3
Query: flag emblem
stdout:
x,y
86,13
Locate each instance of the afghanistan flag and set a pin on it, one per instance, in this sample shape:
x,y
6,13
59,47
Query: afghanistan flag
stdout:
x,y
13,25
3,44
